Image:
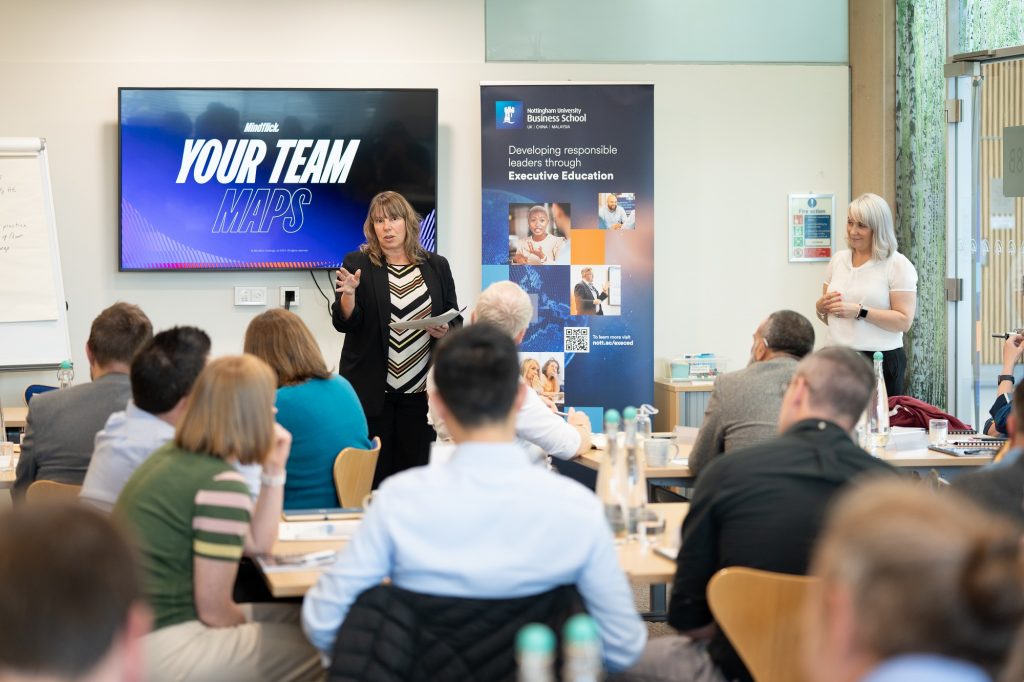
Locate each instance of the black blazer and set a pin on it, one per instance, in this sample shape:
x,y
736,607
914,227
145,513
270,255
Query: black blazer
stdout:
x,y
586,303
364,357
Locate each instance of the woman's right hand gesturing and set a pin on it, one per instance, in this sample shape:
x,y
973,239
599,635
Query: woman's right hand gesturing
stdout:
x,y
345,283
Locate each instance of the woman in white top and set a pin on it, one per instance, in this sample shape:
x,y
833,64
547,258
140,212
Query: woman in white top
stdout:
x,y
870,290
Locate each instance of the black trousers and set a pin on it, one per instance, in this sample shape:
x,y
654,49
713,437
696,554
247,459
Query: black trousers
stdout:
x,y
405,435
894,366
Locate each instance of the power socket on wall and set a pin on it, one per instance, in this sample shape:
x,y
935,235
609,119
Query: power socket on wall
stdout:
x,y
295,295
250,295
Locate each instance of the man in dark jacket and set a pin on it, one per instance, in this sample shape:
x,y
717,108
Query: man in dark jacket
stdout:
x,y
762,507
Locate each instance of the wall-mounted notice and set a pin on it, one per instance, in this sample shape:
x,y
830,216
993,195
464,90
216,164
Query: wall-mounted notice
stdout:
x,y
810,227
568,214
27,286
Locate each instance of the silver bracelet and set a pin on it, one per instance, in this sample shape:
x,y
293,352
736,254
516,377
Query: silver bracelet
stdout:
x,y
274,481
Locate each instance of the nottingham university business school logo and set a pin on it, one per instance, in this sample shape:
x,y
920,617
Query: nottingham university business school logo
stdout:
x,y
508,114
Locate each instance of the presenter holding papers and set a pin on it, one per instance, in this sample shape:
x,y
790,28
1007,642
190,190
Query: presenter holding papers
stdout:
x,y
391,278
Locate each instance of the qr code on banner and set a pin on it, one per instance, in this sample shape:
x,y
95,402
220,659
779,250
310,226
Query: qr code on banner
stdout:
x,y
577,339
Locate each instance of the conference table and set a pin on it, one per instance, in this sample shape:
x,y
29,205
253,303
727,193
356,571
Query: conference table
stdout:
x,y
919,459
639,561
15,417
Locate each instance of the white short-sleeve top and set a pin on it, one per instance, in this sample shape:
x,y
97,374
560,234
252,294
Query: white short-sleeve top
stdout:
x,y
870,286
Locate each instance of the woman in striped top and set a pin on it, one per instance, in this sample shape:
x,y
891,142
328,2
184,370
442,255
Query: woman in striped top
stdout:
x,y
392,279
193,518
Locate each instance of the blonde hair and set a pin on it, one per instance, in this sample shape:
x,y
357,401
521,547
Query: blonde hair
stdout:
x,y
505,305
230,413
281,339
392,205
927,573
873,211
528,364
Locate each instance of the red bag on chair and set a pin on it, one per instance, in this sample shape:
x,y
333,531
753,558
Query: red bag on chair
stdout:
x,y
907,411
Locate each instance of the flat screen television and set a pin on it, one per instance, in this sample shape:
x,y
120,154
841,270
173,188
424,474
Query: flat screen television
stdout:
x,y
267,179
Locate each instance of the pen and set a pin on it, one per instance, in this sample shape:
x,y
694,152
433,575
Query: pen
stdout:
x,y
977,451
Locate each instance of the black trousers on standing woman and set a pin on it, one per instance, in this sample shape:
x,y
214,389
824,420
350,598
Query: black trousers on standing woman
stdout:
x,y
405,435
894,366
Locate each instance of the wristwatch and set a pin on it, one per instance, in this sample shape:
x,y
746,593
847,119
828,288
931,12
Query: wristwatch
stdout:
x,y
1004,377
863,314
274,481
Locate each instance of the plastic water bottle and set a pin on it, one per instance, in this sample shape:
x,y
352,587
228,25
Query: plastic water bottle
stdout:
x,y
878,410
636,481
644,427
582,644
66,374
611,485
535,653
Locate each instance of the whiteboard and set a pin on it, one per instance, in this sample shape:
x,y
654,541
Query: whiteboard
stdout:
x,y
33,314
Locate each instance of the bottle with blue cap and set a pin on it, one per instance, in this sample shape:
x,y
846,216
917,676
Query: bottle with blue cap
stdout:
x,y
581,642
535,653
66,374
635,480
878,411
611,487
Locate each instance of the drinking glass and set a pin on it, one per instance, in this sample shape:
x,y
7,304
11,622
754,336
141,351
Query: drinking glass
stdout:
x,y
938,431
650,527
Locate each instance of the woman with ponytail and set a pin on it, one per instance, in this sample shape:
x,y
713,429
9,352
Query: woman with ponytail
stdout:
x,y
914,586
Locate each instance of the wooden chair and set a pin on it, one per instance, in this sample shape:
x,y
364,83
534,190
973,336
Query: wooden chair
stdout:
x,y
353,474
52,491
760,613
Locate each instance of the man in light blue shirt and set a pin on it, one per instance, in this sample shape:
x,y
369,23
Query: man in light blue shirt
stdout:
x,y
612,216
162,374
486,525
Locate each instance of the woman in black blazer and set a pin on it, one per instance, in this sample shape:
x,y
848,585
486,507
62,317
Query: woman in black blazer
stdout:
x,y
391,278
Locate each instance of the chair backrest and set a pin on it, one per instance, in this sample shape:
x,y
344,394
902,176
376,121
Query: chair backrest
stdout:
x,y
353,473
35,389
394,635
760,613
52,491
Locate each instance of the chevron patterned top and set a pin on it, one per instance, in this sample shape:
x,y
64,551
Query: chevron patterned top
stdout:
x,y
409,349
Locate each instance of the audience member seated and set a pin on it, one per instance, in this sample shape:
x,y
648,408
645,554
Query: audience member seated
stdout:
x,y
62,425
1013,348
762,507
320,409
744,406
914,586
1000,487
488,524
70,600
193,519
162,374
506,306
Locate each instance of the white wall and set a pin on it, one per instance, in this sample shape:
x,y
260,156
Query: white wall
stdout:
x,y
731,142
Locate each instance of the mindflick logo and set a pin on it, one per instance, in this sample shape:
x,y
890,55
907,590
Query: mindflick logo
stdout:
x,y
508,114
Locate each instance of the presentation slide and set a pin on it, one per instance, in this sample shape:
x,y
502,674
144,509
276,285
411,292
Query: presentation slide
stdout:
x,y
258,179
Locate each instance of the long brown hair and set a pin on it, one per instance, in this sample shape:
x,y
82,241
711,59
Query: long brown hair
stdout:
x,y
230,413
392,205
281,339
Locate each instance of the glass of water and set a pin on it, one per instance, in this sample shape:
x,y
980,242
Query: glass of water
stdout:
x,y
938,431
650,527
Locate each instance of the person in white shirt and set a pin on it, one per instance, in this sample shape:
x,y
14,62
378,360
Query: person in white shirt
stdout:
x,y
162,374
540,247
870,291
506,306
486,525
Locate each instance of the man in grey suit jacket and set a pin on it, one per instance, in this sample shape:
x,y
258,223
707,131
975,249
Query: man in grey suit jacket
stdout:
x,y
744,406
61,425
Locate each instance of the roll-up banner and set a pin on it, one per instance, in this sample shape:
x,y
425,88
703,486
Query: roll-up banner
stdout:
x,y
568,214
